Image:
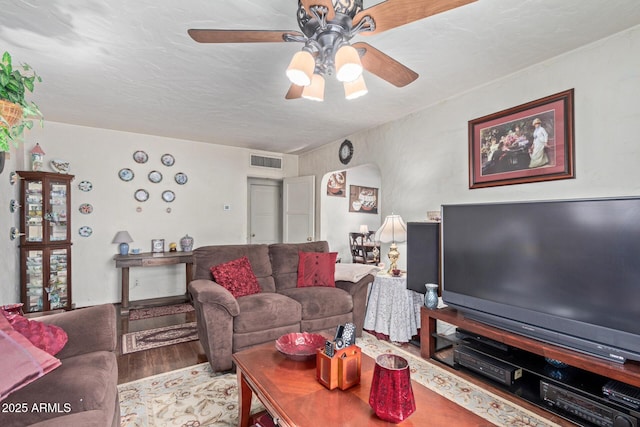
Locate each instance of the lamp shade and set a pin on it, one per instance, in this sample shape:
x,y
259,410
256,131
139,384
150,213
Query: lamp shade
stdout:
x,y
348,65
392,230
301,67
315,91
122,237
364,229
355,89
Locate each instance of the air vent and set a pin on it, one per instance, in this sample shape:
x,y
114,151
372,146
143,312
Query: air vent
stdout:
x,y
266,162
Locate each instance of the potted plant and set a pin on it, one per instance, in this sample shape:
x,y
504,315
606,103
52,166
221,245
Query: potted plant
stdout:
x,y
16,113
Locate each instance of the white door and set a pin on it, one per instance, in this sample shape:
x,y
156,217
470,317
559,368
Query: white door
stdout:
x,y
299,197
265,211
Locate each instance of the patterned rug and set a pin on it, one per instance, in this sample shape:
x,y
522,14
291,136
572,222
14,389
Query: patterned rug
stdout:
x,y
196,397
147,313
158,337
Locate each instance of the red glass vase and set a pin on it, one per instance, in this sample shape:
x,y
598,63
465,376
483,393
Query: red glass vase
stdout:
x,y
391,394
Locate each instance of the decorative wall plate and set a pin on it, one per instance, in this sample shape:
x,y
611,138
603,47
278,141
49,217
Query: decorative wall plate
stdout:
x,y
155,177
85,208
141,195
85,231
167,160
140,157
168,196
181,178
86,185
345,152
126,174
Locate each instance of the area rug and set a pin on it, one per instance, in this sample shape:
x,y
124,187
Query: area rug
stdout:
x,y
158,337
196,397
166,310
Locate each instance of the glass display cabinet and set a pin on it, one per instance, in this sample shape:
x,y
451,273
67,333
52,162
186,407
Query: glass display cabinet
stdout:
x,y
45,243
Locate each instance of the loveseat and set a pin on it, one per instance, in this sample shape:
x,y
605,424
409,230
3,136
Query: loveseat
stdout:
x,y
227,324
82,391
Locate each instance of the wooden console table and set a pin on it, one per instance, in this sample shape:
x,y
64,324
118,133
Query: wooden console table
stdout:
x,y
628,373
150,259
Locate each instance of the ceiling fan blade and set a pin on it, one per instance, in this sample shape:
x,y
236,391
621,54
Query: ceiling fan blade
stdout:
x,y
394,13
385,66
241,36
326,3
294,92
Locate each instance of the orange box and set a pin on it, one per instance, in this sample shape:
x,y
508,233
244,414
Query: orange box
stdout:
x,y
342,370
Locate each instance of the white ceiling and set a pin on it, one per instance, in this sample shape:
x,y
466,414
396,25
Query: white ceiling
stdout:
x,y
130,65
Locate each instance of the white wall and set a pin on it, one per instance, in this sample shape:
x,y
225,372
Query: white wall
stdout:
x,y
336,222
423,158
217,176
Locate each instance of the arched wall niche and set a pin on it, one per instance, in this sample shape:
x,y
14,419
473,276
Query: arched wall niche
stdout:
x,y
336,219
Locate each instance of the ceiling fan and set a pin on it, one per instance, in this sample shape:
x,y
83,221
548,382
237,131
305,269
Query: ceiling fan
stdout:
x,y
327,27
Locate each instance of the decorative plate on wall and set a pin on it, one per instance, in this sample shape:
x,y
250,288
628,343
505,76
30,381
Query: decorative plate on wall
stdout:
x,y
140,157
168,196
85,186
167,160
85,208
141,195
85,231
181,178
126,174
155,177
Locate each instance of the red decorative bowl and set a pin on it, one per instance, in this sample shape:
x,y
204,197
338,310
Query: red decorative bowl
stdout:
x,y
300,346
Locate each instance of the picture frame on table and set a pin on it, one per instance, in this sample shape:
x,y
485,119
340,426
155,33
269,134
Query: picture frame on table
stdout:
x,y
157,246
532,142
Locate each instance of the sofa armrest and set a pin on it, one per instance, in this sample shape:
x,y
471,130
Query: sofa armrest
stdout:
x,y
89,329
358,291
209,292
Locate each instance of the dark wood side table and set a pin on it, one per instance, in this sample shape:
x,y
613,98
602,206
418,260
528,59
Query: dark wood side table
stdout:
x,y
150,259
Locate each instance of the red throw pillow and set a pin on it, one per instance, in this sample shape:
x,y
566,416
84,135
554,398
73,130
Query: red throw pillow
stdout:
x,y
22,362
50,338
317,269
237,277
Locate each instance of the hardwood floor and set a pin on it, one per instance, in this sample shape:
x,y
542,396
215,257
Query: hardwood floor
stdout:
x,y
134,366
145,363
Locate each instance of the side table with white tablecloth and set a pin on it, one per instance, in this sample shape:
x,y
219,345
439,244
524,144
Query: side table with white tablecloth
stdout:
x,y
392,309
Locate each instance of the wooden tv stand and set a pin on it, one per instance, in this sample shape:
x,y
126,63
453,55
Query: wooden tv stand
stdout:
x,y
627,373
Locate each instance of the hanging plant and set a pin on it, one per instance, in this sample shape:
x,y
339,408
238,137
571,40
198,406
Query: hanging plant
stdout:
x,y
16,113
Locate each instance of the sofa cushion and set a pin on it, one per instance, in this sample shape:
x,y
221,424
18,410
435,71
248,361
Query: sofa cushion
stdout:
x,y
50,338
237,277
321,301
83,383
284,261
317,269
264,311
206,257
22,362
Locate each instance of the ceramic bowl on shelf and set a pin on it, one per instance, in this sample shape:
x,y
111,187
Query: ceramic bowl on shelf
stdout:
x,y
299,346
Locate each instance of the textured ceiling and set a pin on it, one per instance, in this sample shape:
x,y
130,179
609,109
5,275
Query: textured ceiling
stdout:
x,y
130,65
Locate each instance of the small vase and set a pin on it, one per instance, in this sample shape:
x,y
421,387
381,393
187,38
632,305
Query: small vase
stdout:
x,y
431,296
186,243
391,395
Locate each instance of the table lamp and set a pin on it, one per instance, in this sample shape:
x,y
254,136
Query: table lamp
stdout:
x,y
393,230
124,239
364,229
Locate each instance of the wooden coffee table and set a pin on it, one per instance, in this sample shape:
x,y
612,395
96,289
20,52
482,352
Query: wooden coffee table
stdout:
x,y
292,395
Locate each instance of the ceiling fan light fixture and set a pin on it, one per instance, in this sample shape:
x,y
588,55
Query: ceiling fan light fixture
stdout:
x,y
314,91
355,89
348,65
301,67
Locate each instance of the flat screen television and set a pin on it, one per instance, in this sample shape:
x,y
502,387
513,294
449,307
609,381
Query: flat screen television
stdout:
x,y
564,271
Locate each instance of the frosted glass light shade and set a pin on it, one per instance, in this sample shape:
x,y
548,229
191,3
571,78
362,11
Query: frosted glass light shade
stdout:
x,y
355,89
301,67
392,230
348,65
314,91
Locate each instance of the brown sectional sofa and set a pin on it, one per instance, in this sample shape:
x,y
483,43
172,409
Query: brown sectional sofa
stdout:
x,y
227,325
83,390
